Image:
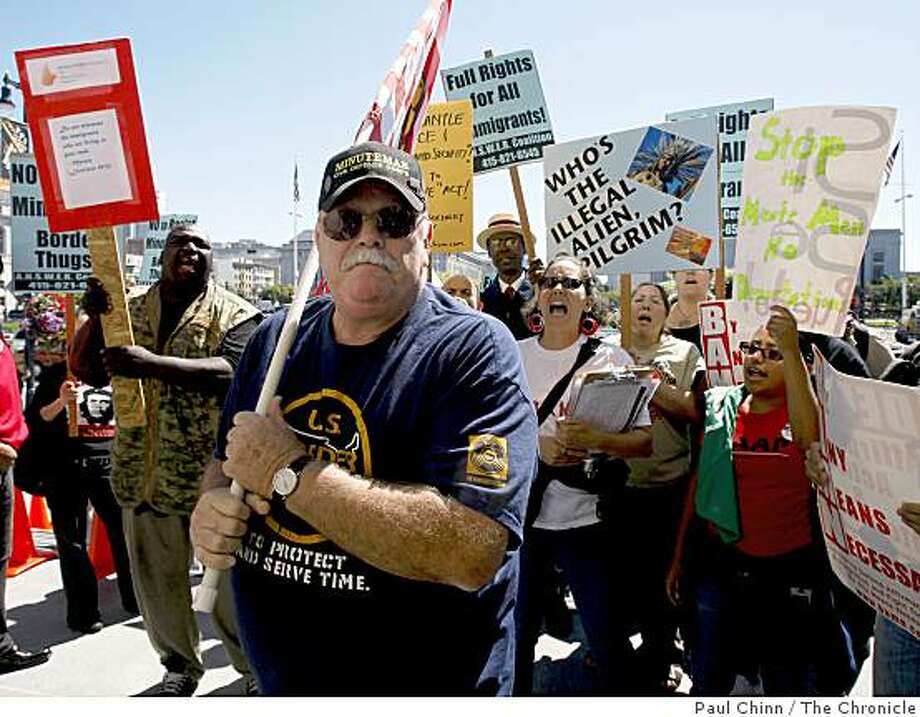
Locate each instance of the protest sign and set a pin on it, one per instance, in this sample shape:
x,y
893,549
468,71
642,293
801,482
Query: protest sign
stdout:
x,y
155,240
810,187
723,326
42,260
94,412
869,444
717,335
734,120
641,200
510,120
85,117
444,150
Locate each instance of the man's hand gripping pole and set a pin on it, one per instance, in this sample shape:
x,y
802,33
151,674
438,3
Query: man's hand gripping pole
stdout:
x,y
206,595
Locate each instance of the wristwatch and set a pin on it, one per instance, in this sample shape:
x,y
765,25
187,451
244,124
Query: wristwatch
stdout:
x,y
286,480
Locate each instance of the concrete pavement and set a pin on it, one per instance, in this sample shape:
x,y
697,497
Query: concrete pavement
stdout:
x,y
119,661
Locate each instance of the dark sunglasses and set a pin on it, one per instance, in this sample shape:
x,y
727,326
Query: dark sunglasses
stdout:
x,y
394,222
768,353
510,241
180,240
568,282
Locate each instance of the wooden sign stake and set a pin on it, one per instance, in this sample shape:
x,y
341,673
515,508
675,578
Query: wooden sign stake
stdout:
x,y
626,311
720,272
127,393
70,323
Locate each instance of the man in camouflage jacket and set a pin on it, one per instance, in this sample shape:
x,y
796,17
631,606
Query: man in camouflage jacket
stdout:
x,y
189,334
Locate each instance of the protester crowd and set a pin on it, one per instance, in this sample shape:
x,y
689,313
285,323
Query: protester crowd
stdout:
x,y
419,499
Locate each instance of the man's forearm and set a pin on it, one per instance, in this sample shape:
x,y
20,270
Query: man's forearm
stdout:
x,y
86,353
636,443
210,374
51,411
801,402
676,403
410,530
213,477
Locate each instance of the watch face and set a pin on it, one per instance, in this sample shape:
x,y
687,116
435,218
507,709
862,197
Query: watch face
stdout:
x,y
284,482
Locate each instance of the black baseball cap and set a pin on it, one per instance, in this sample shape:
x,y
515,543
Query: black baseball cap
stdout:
x,y
372,160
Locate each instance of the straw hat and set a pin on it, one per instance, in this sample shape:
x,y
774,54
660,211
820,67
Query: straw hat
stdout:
x,y
500,224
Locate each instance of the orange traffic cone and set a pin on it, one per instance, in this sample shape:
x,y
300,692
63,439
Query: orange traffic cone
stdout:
x,y
23,555
38,514
100,550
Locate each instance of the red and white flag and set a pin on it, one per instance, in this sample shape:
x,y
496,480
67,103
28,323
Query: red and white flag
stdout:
x,y
399,109
320,285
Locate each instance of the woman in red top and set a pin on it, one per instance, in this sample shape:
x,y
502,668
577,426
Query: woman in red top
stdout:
x,y
760,588
13,432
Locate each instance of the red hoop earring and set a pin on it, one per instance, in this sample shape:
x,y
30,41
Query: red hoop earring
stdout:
x,y
535,322
589,325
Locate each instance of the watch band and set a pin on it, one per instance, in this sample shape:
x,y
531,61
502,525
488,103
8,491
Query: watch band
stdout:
x,y
299,464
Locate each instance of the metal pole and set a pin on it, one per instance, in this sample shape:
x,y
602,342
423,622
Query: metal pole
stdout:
x,y
903,232
294,246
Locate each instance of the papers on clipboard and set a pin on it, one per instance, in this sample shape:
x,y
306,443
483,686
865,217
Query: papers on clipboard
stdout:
x,y
611,401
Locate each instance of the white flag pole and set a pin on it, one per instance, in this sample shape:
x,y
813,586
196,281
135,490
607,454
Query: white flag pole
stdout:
x,y
207,591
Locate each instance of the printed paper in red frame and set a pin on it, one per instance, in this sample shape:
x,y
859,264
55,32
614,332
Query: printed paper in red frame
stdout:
x,y
122,98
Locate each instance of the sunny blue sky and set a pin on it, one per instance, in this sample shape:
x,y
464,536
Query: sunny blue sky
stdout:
x,y
233,91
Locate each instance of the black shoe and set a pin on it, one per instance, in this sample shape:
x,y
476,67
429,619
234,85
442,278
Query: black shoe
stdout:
x,y
175,684
88,628
16,659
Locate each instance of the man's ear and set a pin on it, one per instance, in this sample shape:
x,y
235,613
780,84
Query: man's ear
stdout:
x,y
427,232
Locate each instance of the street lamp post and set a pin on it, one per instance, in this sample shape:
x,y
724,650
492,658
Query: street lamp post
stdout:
x,y
902,200
297,215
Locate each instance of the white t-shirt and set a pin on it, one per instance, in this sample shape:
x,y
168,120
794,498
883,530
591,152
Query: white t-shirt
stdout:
x,y
564,507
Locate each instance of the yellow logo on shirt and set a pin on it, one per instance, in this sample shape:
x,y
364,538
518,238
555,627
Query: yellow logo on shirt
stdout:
x,y
487,460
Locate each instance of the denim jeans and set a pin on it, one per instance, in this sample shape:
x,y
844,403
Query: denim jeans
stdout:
x,y
896,662
583,555
773,613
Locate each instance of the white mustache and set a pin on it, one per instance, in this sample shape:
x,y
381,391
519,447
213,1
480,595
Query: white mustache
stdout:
x,y
367,255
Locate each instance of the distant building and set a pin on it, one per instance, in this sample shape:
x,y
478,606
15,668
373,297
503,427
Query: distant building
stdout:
x,y
7,299
304,245
882,256
14,137
476,266
251,278
226,255
133,263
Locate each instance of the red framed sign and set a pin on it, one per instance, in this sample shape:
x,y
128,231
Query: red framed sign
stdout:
x,y
88,134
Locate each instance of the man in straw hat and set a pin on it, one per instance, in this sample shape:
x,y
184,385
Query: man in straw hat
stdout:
x,y
504,298
377,548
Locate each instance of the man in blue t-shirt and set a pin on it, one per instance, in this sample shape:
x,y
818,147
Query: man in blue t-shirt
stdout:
x,y
377,548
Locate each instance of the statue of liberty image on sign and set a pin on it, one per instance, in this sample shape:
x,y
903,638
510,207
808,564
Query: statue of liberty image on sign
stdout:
x,y
669,163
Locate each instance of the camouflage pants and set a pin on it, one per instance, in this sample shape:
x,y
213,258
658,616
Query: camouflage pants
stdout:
x,y
161,556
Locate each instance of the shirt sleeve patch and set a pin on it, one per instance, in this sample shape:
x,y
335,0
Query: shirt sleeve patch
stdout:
x,y
487,460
